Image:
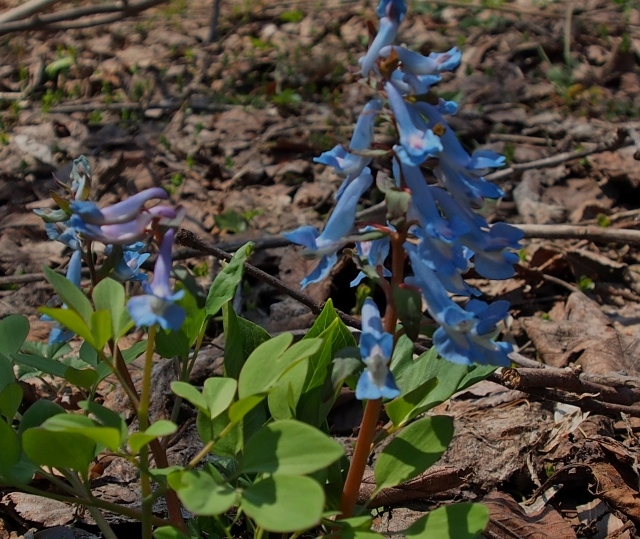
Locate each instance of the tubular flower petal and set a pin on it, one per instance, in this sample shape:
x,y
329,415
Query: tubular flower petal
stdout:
x,y
119,213
415,144
121,234
376,252
158,305
376,347
128,266
349,164
385,36
417,64
339,225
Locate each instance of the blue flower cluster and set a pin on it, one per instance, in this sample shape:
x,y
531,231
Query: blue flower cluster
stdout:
x,y
122,227
446,237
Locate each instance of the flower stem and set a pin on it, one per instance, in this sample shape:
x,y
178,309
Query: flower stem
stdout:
x,y
372,409
360,457
143,419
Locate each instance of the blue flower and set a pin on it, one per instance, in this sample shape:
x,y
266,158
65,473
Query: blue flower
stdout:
x,y
333,236
417,64
391,13
350,164
158,305
415,144
392,8
465,335
128,266
376,252
376,347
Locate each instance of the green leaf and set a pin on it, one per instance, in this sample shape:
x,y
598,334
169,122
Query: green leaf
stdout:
x,y
106,417
71,320
335,337
409,304
413,450
6,372
201,493
85,378
284,503
190,394
356,528
88,354
263,367
70,294
128,356
289,447
241,337
60,450
169,532
78,424
410,374
324,320
9,448
43,364
13,332
218,394
457,521
101,328
38,413
224,285
160,428
10,399
404,408
283,399
109,295
238,410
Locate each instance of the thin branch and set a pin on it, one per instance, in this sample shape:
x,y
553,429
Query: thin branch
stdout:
x,y
188,239
24,10
591,233
615,143
60,21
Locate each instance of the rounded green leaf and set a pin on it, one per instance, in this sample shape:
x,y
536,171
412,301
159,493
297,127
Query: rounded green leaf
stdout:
x,y
10,399
109,437
9,448
160,428
190,394
109,295
13,332
224,285
413,450
38,413
219,394
284,503
289,447
60,450
457,521
261,370
201,494
69,293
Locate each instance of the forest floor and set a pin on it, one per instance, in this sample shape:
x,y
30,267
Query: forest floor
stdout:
x,y
230,128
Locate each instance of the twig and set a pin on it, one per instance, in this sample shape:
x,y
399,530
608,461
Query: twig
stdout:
x,y
54,21
590,233
568,380
189,239
194,104
614,144
24,10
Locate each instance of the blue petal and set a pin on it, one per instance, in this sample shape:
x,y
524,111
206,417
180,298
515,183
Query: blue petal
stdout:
x,y
321,270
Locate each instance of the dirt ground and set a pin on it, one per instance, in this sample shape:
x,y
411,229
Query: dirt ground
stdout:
x,y
230,128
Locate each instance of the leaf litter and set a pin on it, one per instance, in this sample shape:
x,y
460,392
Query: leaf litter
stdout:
x,y
229,128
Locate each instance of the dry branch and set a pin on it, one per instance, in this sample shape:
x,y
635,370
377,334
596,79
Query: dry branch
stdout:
x,y
82,17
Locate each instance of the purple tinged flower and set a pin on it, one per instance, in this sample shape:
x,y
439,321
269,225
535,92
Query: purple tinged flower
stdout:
x,y
122,212
415,144
340,224
376,346
386,36
417,64
392,8
158,305
121,234
376,252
